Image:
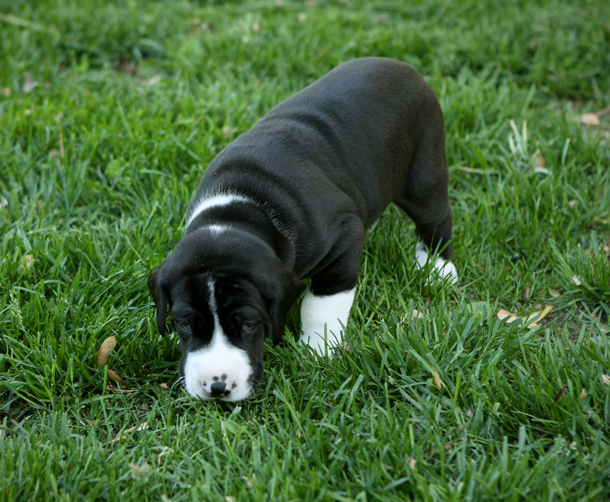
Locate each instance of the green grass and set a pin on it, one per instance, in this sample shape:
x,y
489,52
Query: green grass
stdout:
x,y
109,115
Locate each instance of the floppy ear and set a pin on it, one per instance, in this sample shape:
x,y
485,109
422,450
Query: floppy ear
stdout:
x,y
283,295
159,296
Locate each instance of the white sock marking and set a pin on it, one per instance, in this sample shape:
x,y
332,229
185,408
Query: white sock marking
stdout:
x,y
323,319
446,269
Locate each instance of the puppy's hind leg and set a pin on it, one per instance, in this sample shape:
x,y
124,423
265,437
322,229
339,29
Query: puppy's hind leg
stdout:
x,y
424,197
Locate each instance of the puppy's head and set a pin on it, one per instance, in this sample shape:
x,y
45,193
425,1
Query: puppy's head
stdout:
x,y
226,291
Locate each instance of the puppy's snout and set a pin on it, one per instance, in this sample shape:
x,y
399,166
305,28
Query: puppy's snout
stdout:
x,y
219,389
218,374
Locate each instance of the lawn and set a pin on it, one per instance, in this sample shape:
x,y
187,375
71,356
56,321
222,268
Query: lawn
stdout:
x,y
110,112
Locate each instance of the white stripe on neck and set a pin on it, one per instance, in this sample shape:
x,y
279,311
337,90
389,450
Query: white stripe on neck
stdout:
x,y
214,201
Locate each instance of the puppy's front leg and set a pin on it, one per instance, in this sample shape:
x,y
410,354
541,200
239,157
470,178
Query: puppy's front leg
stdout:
x,y
325,308
323,319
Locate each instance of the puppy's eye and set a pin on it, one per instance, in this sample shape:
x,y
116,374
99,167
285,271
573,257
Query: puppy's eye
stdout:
x,y
184,326
248,327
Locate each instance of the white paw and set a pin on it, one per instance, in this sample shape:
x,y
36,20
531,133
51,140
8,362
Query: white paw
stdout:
x,y
323,319
323,344
445,269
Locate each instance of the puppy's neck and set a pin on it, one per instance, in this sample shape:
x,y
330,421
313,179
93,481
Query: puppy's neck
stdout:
x,y
222,213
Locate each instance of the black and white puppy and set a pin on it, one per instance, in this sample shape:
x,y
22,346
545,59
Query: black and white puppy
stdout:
x,y
291,199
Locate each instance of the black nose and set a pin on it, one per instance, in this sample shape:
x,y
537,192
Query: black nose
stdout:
x,y
218,389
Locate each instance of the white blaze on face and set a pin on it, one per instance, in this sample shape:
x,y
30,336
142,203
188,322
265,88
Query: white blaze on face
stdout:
x,y
218,362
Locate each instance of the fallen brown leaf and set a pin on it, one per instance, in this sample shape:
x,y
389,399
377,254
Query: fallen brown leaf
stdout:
x,y
116,378
29,83
126,66
541,314
118,390
437,380
417,315
27,262
105,350
509,316
122,437
559,394
136,428
154,80
140,471
590,119
539,161
166,451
